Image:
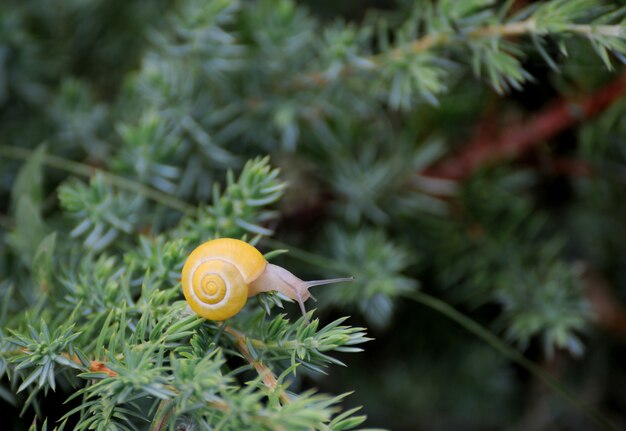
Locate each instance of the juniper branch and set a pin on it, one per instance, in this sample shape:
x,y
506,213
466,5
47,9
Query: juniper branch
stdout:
x,y
268,376
88,171
438,40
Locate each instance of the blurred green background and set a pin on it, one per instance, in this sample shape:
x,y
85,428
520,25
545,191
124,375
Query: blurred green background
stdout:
x,y
530,244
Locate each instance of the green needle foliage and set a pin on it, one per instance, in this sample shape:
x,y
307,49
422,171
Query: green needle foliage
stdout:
x,y
139,345
133,131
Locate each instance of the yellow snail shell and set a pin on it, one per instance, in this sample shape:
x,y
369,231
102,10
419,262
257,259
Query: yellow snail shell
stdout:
x,y
220,275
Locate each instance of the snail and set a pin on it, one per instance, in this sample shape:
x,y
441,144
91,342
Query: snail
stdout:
x,y
220,275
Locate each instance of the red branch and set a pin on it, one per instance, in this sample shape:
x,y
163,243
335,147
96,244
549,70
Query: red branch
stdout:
x,y
486,148
608,311
522,136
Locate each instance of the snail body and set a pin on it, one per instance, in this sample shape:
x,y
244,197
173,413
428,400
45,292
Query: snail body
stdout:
x,y
220,275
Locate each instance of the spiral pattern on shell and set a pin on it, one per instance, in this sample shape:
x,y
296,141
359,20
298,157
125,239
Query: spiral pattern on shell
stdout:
x,y
216,276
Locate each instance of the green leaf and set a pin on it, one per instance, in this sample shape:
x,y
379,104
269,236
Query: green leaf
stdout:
x,y
29,231
29,180
43,263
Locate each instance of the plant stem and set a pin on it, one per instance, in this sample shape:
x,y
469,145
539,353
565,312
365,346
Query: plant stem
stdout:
x,y
268,376
162,416
512,354
85,170
432,40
